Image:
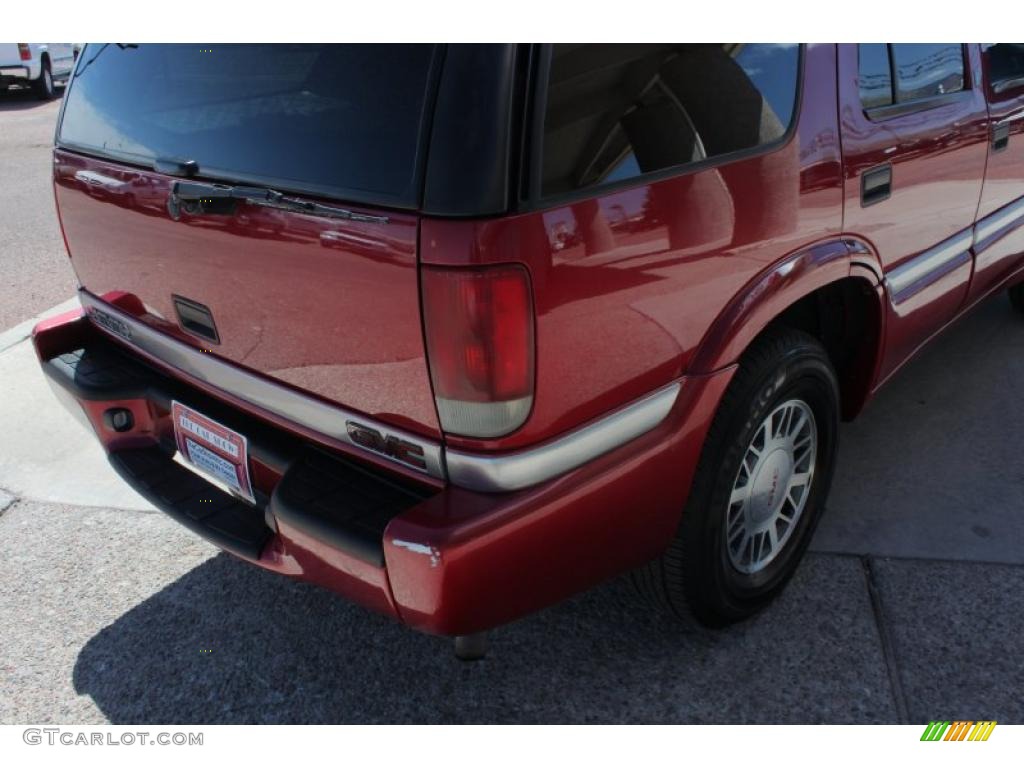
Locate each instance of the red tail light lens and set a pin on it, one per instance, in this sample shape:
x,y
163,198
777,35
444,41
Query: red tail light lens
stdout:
x,y
24,52
480,345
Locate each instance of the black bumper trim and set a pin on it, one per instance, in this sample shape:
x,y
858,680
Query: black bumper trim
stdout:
x,y
197,504
330,498
341,503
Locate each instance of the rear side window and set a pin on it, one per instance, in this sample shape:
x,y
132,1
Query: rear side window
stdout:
x,y
894,74
875,75
615,112
339,120
924,70
1005,64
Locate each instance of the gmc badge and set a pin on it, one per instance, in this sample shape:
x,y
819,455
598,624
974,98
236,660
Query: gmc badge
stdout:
x,y
386,445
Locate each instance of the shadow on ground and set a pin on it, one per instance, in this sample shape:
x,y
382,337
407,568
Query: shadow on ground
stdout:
x,y
227,643
23,99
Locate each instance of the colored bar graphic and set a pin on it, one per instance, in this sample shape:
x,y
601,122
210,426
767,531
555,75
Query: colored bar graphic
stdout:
x,y
934,730
982,730
958,730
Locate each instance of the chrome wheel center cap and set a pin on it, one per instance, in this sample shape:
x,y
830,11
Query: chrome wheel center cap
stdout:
x,y
771,486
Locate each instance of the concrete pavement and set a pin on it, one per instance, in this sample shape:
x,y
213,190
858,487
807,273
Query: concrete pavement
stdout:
x,y
34,271
48,455
934,469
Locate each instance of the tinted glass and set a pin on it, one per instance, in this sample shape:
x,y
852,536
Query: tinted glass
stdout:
x,y
927,69
617,111
1005,66
340,119
875,76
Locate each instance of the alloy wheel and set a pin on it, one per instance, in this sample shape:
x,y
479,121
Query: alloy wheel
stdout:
x,y
771,487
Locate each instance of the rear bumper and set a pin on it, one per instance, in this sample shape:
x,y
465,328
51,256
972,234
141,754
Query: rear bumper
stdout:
x,y
16,75
440,558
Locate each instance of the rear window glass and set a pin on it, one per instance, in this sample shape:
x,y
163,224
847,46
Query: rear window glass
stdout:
x,y
616,111
927,69
340,120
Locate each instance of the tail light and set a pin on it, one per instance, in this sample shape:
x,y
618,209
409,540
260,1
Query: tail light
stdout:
x,y
480,346
24,52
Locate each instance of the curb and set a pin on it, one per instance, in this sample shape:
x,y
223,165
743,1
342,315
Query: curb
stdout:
x,y
20,332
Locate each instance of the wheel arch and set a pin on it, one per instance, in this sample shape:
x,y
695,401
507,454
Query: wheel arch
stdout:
x,y
832,290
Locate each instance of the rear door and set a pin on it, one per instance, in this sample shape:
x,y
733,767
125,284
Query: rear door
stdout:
x,y
1000,234
324,299
914,136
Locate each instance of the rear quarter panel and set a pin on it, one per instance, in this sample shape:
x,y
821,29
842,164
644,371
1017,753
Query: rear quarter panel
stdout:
x,y
627,284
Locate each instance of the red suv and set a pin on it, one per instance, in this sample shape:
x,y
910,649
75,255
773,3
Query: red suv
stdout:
x,y
458,331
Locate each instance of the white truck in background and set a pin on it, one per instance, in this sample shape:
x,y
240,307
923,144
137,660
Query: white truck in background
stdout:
x,y
36,65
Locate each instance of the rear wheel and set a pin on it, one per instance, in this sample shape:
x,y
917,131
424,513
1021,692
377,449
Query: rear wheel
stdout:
x,y
1017,297
760,486
42,86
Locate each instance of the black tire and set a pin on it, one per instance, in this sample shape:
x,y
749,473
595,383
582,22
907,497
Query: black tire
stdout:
x,y
696,577
1017,297
43,86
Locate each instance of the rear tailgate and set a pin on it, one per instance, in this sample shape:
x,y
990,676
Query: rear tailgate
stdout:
x,y
10,56
328,304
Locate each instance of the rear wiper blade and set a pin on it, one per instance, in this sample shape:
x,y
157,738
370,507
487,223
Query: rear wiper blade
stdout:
x,y
196,197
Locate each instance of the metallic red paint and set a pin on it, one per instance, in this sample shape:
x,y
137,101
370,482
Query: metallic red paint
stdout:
x,y
462,561
665,281
325,305
777,288
627,284
1004,175
938,163
480,560
124,301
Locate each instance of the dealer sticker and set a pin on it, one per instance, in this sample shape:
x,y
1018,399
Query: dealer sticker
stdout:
x,y
212,449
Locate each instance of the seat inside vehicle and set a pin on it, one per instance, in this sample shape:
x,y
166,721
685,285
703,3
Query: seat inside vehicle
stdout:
x,y
618,110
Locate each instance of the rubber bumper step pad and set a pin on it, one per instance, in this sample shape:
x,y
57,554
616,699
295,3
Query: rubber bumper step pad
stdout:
x,y
100,373
342,504
194,502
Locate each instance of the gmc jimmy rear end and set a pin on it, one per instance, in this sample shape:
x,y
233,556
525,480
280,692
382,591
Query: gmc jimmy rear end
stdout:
x,y
459,331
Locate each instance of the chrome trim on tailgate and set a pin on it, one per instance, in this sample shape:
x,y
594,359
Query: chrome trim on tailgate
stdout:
x,y
513,471
929,263
488,473
310,413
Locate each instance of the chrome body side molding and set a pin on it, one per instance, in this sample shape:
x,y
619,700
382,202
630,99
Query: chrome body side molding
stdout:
x,y
919,270
514,471
1006,218
306,411
906,279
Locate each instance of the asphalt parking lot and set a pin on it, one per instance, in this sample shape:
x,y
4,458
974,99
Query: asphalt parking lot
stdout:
x,y
910,607
34,274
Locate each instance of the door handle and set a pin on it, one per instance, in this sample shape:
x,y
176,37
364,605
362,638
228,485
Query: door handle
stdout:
x,y
875,185
195,318
1000,137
